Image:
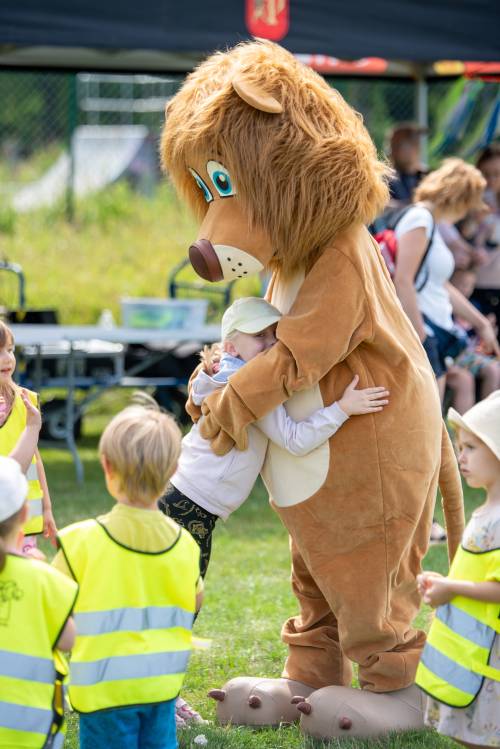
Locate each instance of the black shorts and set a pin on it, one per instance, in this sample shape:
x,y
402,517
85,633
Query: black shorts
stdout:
x,y
443,344
199,522
437,362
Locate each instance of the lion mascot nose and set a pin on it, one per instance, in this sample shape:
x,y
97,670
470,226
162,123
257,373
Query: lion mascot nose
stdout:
x,y
205,261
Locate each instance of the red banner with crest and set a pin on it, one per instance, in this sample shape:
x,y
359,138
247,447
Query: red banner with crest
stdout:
x,y
268,19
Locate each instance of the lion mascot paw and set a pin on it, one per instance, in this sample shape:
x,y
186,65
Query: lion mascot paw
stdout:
x,y
259,702
342,712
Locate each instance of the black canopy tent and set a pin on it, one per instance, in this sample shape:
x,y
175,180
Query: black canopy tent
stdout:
x,y
171,35
412,39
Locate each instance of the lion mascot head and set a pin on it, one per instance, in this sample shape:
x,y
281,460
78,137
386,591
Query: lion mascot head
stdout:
x,y
272,160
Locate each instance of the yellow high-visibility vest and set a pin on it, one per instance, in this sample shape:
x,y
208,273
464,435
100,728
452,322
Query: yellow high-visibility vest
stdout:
x,y
9,435
133,615
35,603
455,659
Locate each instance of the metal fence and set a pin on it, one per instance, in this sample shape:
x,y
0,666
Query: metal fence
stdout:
x,y
63,134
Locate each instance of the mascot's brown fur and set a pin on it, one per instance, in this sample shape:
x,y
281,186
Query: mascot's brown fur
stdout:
x,y
284,175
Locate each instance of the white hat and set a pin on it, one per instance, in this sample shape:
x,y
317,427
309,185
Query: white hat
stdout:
x,y
483,420
13,488
251,314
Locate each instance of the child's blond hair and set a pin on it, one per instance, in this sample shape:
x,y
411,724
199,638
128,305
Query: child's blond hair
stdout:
x,y
142,445
210,358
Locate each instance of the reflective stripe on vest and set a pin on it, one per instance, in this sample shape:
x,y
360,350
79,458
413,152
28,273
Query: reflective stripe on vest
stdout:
x,y
132,619
35,507
465,625
21,666
133,616
451,671
129,667
455,659
32,473
22,718
34,523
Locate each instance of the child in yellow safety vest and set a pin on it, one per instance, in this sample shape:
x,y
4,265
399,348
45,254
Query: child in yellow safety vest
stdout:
x,y
12,423
36,602
139,588
460,664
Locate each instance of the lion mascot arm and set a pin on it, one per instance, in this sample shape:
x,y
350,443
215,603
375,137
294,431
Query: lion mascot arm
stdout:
x,y
324,326
450,486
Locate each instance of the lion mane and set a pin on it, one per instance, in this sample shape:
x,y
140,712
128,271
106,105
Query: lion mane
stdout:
x,y
304,175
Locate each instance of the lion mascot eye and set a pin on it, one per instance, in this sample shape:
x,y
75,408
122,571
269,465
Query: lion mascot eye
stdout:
x,y
221,179
206,192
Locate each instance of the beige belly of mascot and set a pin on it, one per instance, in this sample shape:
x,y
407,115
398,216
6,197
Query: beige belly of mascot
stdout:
x,y
290,479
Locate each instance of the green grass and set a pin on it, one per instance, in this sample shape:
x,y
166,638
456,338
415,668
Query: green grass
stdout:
x,y
248,597
121,244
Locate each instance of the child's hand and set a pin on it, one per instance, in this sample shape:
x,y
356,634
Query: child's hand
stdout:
x,y
422,580
356,402
33,415
49,526
34,553
489,343
434,589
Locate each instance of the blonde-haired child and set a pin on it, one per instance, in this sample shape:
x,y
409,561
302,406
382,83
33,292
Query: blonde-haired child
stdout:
x,y
140,587
12,423
460,664
35,618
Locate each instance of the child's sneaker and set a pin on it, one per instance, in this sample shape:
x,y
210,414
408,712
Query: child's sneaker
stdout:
x,y
185,715
438,533
180,723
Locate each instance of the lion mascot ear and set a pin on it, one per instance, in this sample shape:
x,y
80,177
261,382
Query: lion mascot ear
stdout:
x,y
255,96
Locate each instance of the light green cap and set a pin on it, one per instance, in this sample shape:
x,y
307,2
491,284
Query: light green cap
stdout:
x,y
249,314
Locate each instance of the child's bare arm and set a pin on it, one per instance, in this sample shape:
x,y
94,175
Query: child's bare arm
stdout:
x,y
488,591
27,443
301,437
49,525
67,638
437,591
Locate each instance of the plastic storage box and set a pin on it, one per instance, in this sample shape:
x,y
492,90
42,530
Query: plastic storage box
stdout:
x,y
164,314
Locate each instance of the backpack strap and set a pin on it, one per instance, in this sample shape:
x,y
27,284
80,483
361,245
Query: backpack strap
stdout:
x,y
398,218
424,258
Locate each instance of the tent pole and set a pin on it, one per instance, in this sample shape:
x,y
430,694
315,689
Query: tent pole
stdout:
x,y
71,127
422,109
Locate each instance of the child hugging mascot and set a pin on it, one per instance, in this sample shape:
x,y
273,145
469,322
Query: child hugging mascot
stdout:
x,y
284,176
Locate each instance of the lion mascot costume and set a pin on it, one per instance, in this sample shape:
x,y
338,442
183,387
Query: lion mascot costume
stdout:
x,y
284,176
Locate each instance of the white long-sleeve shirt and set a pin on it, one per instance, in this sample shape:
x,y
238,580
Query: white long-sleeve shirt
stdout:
x,y
220,484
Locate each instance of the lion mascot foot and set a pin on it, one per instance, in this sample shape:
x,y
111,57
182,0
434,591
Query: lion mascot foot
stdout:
x,y
342,712
250,701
